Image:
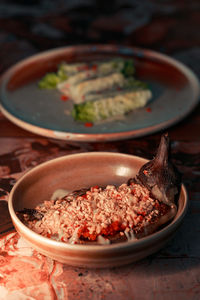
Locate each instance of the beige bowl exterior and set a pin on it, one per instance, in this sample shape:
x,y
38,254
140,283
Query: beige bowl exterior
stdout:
x,y
76,171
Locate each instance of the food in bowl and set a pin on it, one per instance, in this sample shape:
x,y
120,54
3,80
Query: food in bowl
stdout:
x,y
111,214
100,90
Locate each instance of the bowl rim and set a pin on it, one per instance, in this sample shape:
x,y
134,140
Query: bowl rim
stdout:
x,y
165,231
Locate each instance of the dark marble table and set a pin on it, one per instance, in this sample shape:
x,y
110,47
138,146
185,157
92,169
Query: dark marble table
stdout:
x,y
170,27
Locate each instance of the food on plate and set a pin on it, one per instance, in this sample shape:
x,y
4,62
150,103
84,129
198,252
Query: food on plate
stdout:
x,y
111,214
110,106
77,72
51,80
99,90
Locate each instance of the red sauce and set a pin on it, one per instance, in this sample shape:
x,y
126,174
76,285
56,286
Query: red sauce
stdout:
x,y
148,109
88,124
64,97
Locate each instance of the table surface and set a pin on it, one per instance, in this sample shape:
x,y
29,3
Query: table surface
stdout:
x,y
169,27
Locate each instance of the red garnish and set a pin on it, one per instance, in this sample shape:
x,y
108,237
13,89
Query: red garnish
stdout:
x,y
93,188
118,196
141,217
84,232
148,109
64,97
142,213
116,226
88,124
96,187
145,172
94,67
111,229
93,237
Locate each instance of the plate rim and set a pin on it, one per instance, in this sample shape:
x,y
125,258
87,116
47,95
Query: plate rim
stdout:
x,y
113,136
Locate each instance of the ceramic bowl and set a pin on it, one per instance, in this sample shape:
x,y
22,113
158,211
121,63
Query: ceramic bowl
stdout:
x,y
73,172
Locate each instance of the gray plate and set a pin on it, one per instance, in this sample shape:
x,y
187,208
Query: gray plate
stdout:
x,y
175,91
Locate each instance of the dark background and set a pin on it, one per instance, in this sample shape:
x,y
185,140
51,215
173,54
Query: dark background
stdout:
x,y
30,26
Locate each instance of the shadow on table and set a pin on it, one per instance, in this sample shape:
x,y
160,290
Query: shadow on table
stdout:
x,y
5,219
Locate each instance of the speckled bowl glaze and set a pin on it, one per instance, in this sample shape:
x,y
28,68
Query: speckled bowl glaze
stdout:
x,y
84,170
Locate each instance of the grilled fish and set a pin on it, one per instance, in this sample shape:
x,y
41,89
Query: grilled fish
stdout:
x,y
160,176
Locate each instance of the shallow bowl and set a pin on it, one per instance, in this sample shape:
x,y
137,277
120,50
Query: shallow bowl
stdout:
x,y
73,172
